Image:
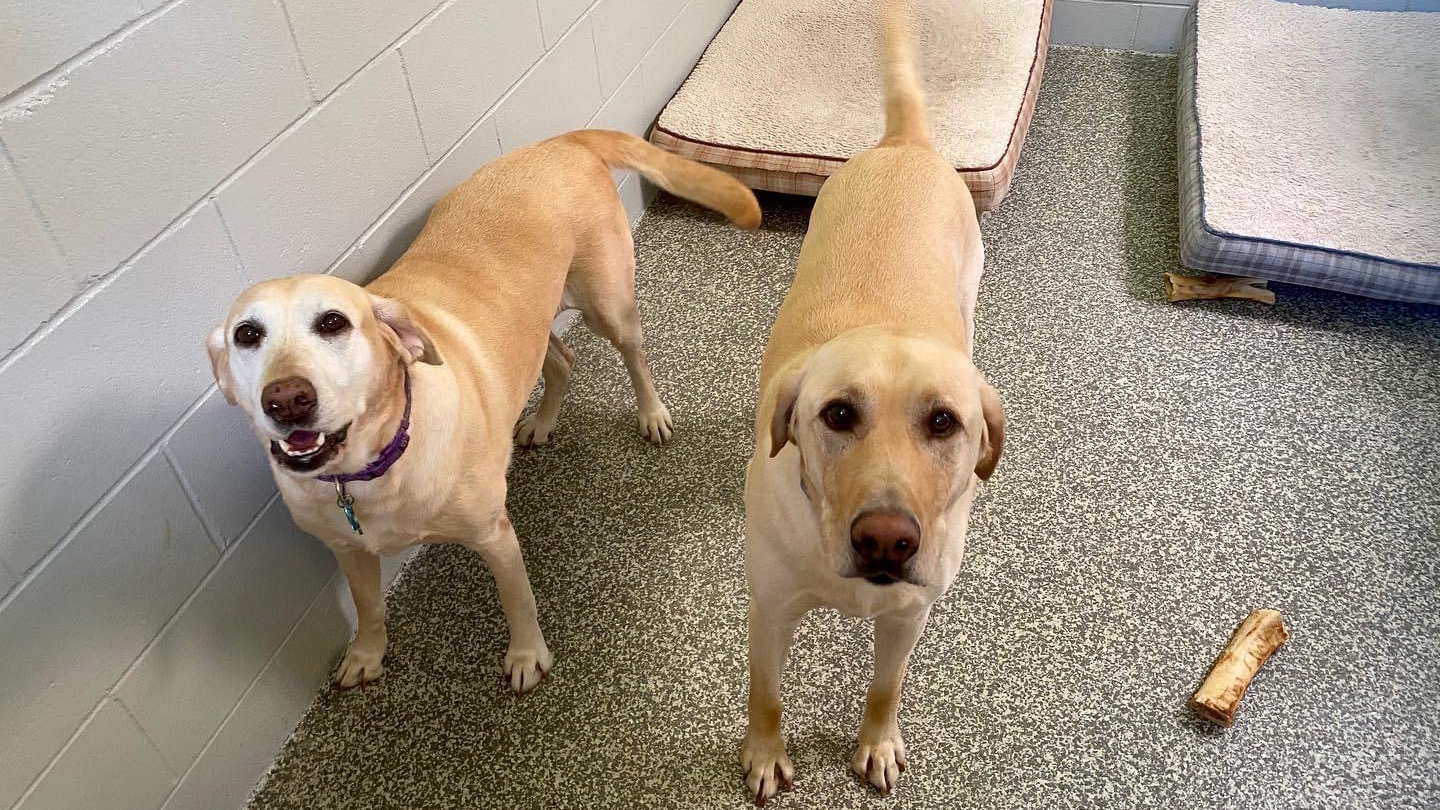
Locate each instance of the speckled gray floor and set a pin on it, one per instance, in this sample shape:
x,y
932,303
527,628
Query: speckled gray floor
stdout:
x,y
1167,468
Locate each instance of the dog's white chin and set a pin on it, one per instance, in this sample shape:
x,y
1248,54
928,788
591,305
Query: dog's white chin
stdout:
x,y
308,450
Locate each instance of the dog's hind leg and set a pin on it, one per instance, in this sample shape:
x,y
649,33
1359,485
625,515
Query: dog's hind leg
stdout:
x,y
536,428
622,329
602,284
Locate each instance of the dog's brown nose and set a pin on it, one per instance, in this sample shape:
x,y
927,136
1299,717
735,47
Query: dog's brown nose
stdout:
x,y
289,401
885,539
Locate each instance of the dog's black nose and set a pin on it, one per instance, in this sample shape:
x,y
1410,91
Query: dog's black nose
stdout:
x,y
289,401
885,539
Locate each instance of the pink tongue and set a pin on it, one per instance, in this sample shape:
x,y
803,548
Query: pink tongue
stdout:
x,y
301,439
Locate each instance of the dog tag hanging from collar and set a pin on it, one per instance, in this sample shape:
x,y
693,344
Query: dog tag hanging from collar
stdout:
x,y
346,502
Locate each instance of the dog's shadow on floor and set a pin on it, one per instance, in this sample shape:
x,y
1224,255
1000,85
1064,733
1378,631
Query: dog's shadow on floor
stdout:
x,y
599,445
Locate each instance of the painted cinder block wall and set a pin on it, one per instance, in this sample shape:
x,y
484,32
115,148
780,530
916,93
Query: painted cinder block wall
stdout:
x,y
163,624
1153,26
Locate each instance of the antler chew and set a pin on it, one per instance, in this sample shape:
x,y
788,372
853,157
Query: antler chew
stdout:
x,y
1254,641
1186,288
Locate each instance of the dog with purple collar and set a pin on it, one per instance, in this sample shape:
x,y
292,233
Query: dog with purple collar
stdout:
x,y
389,411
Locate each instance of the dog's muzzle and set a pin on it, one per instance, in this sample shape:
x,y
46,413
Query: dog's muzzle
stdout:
x,y
884,541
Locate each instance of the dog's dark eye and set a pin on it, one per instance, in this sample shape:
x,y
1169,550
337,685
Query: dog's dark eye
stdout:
x,y
330,323
941,423
839,416
248,334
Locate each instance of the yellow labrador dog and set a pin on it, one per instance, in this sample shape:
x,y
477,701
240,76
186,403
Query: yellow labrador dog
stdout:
x,y
873,424
388,410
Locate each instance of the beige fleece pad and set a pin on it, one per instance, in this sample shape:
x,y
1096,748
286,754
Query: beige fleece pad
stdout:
x,y
795,85
1321,126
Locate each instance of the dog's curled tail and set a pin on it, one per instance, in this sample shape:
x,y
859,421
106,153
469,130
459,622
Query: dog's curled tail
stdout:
x,y
698,183
904,98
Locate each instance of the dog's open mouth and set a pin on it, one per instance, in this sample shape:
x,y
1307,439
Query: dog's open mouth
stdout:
x,y
302,443
308,450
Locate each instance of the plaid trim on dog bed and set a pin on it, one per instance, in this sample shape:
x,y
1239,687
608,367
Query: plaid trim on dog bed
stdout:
x,y
792,173
1208,249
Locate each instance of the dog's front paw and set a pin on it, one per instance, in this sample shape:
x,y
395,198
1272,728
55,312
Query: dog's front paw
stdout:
x,y
526,665
361,664
531,432
768,769
656,425
880,759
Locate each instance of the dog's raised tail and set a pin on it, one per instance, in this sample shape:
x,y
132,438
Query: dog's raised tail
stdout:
x,y
904,98
696,182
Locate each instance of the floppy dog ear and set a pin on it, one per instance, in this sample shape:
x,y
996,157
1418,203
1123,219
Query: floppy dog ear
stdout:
x,y
785,397
401,331
994,439
220,363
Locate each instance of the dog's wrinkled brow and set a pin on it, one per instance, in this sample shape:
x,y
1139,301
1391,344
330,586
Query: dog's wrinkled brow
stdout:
x,y
934,399
849,394
249,316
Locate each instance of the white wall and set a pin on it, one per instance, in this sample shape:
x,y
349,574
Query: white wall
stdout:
x,y
1153,26
162,622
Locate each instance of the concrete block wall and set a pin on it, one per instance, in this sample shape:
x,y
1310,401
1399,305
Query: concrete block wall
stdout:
x,y
1153,26
163,624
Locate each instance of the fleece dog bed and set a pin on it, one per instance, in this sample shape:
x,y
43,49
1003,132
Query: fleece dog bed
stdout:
x,y
789,89
1310,146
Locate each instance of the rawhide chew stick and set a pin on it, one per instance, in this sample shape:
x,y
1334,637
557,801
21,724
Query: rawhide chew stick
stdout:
x,y
1253,642
1187,288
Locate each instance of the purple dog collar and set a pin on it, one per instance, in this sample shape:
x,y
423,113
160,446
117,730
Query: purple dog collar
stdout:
x,y
387,457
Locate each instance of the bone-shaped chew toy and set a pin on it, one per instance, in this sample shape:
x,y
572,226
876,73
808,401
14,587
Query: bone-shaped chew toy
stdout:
x,y
1186,288
1252,643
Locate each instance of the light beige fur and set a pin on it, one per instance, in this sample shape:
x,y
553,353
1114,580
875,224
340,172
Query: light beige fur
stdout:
x,y
880,319
466,312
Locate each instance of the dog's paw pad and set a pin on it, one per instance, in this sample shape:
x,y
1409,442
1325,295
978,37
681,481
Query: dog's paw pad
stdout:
x,y
526,666
360,665
656,426
880,762
768,769
530,433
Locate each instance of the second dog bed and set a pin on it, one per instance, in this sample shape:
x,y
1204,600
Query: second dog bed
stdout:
x,y
790,89
1310,146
